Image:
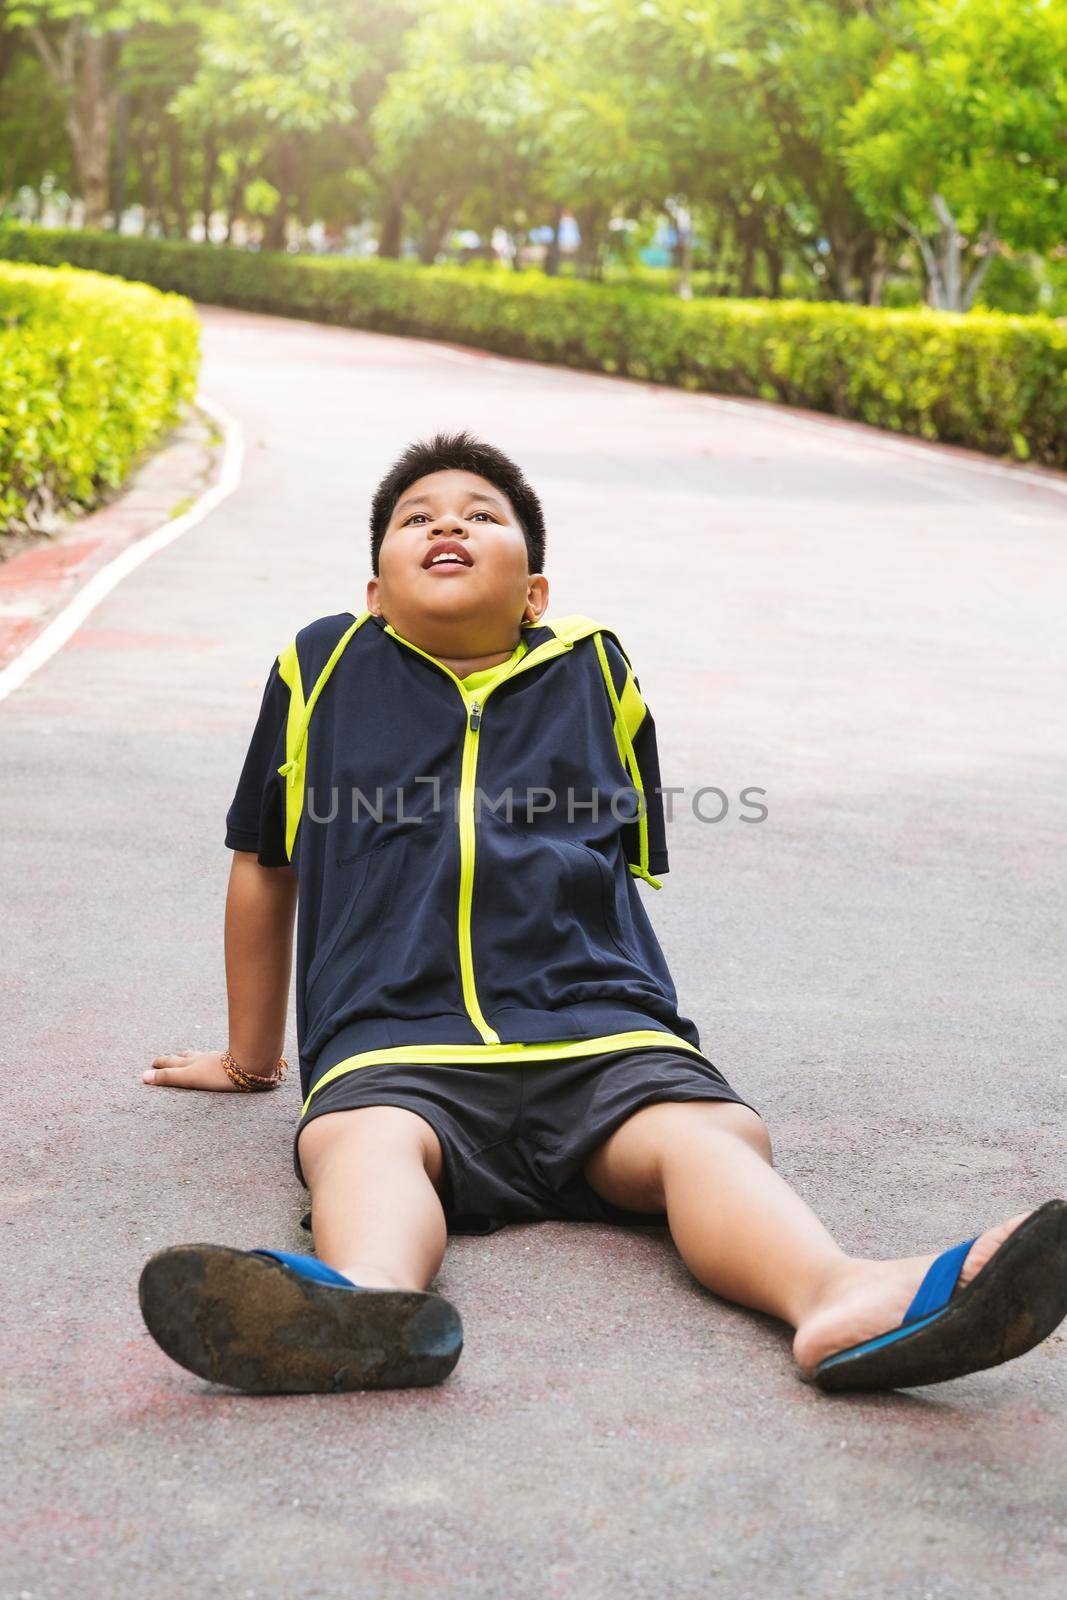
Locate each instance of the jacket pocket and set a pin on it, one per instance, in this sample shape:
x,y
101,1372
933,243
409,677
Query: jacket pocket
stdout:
x,y
608,911
365,886
546,932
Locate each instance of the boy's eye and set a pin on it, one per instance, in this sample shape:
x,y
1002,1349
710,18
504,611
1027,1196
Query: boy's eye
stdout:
x,y
474,514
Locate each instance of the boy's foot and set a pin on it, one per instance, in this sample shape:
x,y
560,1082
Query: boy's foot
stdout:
x,y
1010,1294
272,1323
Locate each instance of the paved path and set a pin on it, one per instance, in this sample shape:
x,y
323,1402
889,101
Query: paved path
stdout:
x,y
871,632
39,577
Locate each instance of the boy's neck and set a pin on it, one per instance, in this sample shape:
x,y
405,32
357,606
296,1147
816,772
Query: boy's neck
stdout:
x,y
459,655
462,665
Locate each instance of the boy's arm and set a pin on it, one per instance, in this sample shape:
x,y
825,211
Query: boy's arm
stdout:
x,y
260,903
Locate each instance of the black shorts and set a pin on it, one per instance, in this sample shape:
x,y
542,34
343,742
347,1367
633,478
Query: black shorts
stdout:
x,y
514,1140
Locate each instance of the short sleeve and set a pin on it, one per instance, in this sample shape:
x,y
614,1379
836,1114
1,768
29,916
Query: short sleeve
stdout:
x,y
647,754
643,738
256,818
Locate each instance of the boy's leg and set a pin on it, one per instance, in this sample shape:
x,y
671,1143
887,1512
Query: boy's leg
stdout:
x,y
270,1322
744,1233
376,1213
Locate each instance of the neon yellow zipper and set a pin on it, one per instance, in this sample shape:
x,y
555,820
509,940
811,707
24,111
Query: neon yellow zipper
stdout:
x,y
474,705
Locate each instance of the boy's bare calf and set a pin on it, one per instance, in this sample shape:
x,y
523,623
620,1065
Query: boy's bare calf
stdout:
x,y
743,1232
375,1175
376,1212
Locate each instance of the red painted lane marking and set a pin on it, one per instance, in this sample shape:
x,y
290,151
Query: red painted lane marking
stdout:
x,y
48,591
14,633
45,562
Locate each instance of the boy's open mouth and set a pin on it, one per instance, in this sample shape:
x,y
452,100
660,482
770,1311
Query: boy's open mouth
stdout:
x,y
447,556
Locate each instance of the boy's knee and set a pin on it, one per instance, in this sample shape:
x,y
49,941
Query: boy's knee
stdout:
x,y
725,1116
750,1126
370,1130
758,1135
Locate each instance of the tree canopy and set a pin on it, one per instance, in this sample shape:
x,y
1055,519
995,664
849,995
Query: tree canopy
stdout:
x,y
806,147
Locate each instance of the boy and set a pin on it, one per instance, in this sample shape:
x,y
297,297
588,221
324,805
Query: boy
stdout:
x,y
457,796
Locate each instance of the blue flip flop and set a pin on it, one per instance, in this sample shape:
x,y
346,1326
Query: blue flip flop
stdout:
x,y
273,1322
1014,1302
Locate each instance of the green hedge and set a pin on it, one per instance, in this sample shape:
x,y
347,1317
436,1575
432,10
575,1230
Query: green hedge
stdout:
x,y
91,371
994,382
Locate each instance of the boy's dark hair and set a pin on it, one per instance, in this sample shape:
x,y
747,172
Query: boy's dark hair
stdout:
x,y
464,452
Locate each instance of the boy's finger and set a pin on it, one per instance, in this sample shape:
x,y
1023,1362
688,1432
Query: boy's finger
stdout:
x,y
174,1071
171,1076
180,1058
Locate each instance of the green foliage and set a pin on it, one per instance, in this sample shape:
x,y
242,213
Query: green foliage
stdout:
x,y
32,140
962,129
861,150
733,106
274,64
994,382
458,127
92,370
95,16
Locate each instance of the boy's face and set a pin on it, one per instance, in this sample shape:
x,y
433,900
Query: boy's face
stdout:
x,y
452,567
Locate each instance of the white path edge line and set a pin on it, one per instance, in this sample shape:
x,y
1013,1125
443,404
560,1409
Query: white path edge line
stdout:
x,y
928,452
67,622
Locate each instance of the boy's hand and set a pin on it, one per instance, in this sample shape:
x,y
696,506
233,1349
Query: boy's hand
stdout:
x,y
190,1069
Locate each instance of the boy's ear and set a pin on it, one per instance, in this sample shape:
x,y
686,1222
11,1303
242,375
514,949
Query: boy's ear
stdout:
x,y
536,598
374,605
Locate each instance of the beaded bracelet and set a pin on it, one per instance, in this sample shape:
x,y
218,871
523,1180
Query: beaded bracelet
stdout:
x,y
251,1081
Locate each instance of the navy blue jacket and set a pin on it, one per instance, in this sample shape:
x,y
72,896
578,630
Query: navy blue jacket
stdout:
x,y
467,865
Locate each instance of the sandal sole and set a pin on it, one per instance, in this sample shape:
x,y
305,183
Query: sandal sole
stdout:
x,y
254,1325
1011,1305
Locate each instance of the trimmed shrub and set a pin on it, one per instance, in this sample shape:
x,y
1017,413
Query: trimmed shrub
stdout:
x,y
994,382
92,370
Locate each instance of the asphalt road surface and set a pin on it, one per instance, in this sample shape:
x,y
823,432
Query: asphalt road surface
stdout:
x,y
869,630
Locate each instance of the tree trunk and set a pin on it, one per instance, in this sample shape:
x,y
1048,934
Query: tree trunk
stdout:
x,y
683,241
208,174
552,254
947,278
685,267
435,232
948,286
146,164
281,174
274,233
981,266
748,267
843,269
236,199
89,120
877,273
176,179
10,42
118,194
83,65
391,228
773,257
590,221
713,250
